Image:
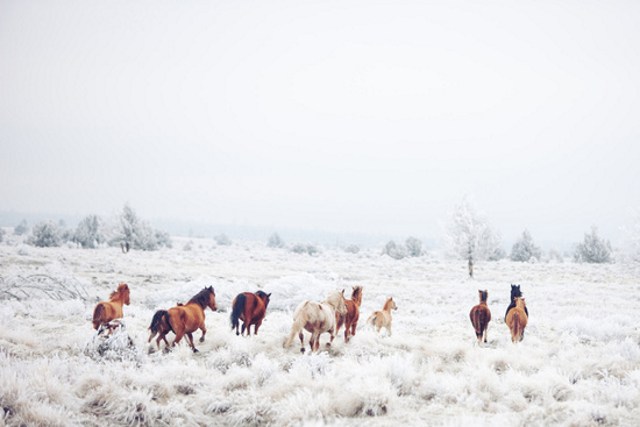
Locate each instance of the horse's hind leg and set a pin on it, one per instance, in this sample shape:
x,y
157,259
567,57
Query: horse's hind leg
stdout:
x,y
190,338
256,326
301,336
203,328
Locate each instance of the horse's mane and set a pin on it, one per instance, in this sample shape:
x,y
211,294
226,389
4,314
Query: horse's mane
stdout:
x,y
387,303
262,295
202,297
122,287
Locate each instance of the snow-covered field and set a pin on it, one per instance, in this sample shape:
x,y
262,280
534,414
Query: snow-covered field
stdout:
x,y
579,363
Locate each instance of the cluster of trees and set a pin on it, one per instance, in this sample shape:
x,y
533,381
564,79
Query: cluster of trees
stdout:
x,y
470,237
92,232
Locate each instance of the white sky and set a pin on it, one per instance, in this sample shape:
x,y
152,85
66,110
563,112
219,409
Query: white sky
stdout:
x,y
364,116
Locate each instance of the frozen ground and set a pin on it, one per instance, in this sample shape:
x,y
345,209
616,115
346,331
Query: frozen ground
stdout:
x,y
579,363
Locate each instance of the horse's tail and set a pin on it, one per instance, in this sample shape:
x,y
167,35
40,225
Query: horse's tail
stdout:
x,y
371,320
98,315
160,319
298,324
236,311
516,328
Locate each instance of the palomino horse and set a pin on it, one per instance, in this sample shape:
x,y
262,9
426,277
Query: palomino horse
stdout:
x,y
317,318
515,293
350,319
250,308
517,320
480,316
183,319
106,311
382,318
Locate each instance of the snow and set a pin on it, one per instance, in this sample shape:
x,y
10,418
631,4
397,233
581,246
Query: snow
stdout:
x,y
579,363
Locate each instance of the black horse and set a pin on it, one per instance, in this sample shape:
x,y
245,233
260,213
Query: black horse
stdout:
x,y
515,293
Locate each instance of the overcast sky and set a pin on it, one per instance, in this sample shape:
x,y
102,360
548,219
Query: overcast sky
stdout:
x,y
361,116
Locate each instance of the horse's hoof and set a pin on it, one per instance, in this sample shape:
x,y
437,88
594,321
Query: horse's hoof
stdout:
x,y
201,339
237,334
195,350
328,344
302,350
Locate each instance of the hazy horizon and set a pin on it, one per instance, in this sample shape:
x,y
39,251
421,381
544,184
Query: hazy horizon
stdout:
x,y
358,117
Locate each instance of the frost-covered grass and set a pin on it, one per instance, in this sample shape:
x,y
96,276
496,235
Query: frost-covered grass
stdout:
x,y
579,363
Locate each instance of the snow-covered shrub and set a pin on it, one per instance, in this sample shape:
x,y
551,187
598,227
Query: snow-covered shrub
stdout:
x,y
632,240
45,234
137,233
593,249
554,256
21,228
524,249
301,249
188,246
89,232
414,246
2,232
275,241
394,250
352,249
222,239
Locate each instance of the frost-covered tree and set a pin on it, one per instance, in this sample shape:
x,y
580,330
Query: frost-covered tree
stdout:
x,y
593,249
45,234
22,228
352,249
414,246
275,241
524,249
299,248
138,233
89,232
394,250
469,236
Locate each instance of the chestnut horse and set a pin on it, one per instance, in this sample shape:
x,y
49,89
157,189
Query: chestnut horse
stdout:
x,y
515,293
251,309
480,316
106,311
517,320
183,319
316,318
350,319
382,318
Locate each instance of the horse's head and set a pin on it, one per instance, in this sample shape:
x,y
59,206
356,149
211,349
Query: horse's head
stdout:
x,y
211,298
390,304
483,295
356,295
123,291
515,291
264,297
336,300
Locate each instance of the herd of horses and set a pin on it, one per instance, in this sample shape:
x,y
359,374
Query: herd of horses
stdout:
x,y
317,318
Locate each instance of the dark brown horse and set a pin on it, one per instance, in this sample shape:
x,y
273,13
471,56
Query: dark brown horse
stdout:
x,y
350,319
106,311
183,319
480,316
251,309
517,320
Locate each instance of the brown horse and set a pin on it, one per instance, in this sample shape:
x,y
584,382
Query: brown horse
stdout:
x,y
251,309
106,311
183,319
382,318
480,316
517,320
350,319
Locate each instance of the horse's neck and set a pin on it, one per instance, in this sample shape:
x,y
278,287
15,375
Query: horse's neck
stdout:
x,y
117,299
387,307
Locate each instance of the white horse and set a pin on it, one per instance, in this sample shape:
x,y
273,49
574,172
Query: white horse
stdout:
x,y
317,318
